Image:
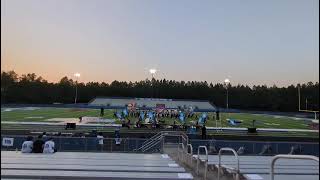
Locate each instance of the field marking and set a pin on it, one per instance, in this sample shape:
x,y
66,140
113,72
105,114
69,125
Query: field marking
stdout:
x,y
272,124
34,117
49,114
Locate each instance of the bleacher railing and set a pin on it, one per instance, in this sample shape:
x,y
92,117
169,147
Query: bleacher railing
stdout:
x,y
189,154
84,144
237,159
159,138
181,150
205,160
284,156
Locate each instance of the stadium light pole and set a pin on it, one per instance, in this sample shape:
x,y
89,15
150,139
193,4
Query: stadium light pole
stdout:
x,y
152,72
77,75
227,82
306,103
299,97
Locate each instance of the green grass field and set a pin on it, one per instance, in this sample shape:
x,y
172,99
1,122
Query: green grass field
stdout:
x,y
262,121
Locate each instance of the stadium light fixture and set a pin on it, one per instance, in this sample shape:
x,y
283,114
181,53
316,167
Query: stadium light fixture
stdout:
x,y
227,82
152,72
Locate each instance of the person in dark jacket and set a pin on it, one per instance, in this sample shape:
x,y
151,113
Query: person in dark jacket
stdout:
x,y
204,132
38,145
101,112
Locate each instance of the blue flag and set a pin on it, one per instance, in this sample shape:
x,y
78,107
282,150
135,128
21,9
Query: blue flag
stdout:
x,y
201,120
182,117
119,115
125,112
151,116
142,116
204,115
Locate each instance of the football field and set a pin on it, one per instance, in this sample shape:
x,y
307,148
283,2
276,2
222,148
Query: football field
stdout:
x,y
58,114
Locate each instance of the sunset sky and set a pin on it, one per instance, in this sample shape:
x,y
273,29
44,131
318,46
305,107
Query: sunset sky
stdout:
x,y
248,41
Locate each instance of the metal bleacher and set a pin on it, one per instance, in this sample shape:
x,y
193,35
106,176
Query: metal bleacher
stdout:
x,y
279,167
152,103
79,165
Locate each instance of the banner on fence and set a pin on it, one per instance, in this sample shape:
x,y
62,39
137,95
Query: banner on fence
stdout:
x,y
7,142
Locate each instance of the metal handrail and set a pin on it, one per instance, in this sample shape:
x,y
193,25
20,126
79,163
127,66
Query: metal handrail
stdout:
x,y
189,154
156,137
166,133
152,143
205,161
285,156
237,158
159,133
150,139
154,140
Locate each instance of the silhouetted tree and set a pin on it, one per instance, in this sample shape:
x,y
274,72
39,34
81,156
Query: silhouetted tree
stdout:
x,y
30,88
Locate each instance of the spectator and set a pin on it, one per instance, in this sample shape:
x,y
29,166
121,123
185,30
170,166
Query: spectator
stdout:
x,y
117,137
101,112
49,146
38,145
44,136
197,126
204,132
174,125
118,141
123,124
117,133
100,141
27,145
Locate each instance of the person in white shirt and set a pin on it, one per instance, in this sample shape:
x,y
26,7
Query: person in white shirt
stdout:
x,y
100,140
49,146
27,145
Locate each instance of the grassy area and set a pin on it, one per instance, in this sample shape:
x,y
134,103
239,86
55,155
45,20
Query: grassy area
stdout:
x,y
262,121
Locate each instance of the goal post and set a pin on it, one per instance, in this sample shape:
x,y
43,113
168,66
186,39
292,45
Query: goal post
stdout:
x,y
305,110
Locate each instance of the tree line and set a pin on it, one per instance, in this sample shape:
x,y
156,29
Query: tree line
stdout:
x,y
33,89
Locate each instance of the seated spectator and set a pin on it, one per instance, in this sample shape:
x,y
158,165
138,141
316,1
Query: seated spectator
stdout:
x,y
38,145
44,135
27,145
49,146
